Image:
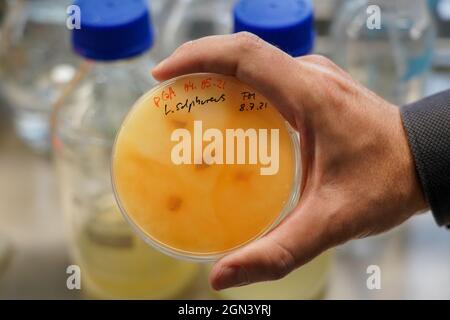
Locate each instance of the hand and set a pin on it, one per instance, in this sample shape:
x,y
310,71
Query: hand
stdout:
x,y
359,175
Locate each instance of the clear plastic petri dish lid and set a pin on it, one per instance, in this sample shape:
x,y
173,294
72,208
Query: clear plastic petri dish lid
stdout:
x,y
203,164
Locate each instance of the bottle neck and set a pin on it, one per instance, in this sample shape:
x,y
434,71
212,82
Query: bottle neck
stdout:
x,y
404,7
47,11
137,59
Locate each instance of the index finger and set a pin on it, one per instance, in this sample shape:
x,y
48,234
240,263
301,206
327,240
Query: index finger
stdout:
x,y
250,59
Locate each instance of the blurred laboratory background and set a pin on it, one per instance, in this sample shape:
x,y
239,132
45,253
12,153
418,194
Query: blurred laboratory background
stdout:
x,y
62,99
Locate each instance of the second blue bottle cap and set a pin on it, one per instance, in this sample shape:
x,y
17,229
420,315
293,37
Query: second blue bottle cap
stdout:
x,y
112,29
287,24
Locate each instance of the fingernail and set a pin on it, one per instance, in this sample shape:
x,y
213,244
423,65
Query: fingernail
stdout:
x,y
231,277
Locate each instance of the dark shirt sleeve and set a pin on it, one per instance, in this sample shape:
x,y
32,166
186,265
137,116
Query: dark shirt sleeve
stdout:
x,y
427,124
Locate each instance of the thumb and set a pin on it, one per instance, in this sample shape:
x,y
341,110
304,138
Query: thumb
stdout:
x,y
297,240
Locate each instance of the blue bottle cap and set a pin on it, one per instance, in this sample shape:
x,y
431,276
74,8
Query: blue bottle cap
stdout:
x,y
112,29
287,24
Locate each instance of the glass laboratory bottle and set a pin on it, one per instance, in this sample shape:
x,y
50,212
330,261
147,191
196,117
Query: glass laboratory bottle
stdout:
x,y
441,10
193,19
4,243
386,45
160,9
3,9
7,12
37,63
441,59
114,39
289,26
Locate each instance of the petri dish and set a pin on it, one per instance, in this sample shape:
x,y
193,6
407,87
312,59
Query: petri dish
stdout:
x,y
203,164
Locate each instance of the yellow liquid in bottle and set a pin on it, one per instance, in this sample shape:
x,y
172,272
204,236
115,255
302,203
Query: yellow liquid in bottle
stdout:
x,y
307,282
116,264
177,172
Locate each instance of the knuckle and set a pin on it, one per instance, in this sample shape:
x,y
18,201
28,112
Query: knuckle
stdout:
x,y
185,46
248,41
332,68
335,87
282,263
322,60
